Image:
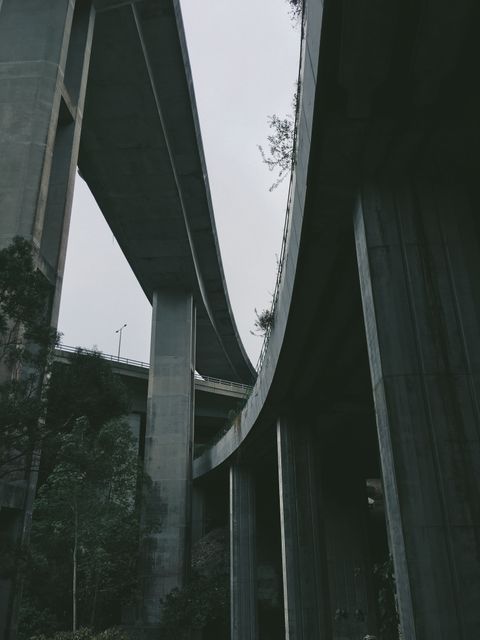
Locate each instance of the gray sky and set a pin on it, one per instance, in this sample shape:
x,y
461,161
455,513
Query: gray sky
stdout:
x,y
244,58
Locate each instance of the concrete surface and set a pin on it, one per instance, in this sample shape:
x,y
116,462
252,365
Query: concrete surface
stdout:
x,y
243,606
168,451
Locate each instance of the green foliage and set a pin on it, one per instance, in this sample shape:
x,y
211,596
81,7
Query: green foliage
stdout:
x,y
296,8
280,147
85,634
85,389
24,297
26,348
202,604
281,143
86,513
88,388
36,621
264,322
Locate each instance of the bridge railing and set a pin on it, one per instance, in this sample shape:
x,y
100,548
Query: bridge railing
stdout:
x,y
237,386
291,193
105,356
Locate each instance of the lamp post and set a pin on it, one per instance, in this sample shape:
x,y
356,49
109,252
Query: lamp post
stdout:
x,y
119,331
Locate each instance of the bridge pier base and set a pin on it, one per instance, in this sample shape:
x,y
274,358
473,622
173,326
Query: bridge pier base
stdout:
x,y
168,450
244,625
419,263
305,589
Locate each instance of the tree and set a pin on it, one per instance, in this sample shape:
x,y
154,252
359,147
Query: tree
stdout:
x,y
296,8
264,322
84,540
281,144
85,530
85,388
26,349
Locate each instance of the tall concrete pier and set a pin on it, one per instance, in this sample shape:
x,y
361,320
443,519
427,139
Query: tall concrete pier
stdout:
x,y
44,59
168,450
419,262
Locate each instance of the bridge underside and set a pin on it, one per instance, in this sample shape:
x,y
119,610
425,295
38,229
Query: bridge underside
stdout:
x,y
365,442
107,85
361,435
141,157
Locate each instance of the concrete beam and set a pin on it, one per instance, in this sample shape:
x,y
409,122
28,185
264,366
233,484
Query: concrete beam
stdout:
x,y
168,450
419,262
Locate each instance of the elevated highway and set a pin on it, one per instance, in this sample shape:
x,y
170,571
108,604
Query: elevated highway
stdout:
x,y
142,157
215,400
369,381
370,369
106,86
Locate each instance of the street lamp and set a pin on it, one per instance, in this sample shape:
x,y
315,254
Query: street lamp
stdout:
x,y
119,331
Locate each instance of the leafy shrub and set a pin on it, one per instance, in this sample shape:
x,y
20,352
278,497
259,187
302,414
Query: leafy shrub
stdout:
x,y
264,322
296,8
86,634
203,602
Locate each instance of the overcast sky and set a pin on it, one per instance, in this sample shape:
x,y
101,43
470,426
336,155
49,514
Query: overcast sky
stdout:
x,y
244,58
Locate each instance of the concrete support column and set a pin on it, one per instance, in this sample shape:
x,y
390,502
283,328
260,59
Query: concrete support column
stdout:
x,y
44,59
304,571
242,554
419,261
350,571
168,449
44,52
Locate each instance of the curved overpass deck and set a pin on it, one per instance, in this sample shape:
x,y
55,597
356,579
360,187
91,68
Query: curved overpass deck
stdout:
x,y
365,118
141,155
267,386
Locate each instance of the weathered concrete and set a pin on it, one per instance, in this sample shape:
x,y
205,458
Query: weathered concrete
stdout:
x,y
44,58
243,608
304,564
419,262
168,450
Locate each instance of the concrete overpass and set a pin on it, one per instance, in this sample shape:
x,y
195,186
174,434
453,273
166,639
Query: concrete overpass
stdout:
x,y
370,374
370,370
106,85
215,400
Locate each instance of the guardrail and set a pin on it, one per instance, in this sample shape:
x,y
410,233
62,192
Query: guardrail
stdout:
x,y
291,193
239,386
105,356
